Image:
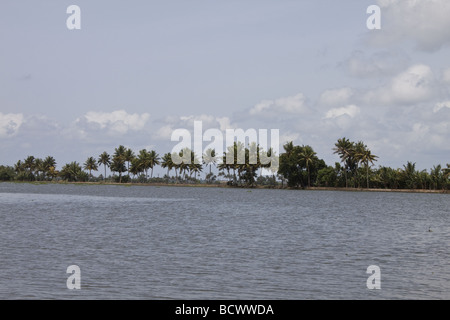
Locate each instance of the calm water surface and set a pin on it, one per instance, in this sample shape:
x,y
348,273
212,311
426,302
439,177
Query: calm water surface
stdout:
x,y
144,242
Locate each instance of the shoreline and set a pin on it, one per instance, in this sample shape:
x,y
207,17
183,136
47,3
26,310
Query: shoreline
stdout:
x,y
224,185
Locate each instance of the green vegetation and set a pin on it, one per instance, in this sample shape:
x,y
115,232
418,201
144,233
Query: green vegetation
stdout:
x,y
298,167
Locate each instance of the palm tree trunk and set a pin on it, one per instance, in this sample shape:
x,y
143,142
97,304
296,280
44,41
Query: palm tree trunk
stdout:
x,y
309,178
345,172
367,164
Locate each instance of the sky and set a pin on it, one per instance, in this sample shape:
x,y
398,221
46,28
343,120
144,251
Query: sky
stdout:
x,y
138,70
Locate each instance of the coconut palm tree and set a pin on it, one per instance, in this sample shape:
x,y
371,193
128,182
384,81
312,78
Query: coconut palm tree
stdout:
x,y
288,148
136,167
105,160
49,162
38,168
128,157
410,175
436,176
364,155
144,161
73,172
118,165
19,167
154,160
210,158
175,164
166,162
234,157
90,164
29,166
307,156
343,147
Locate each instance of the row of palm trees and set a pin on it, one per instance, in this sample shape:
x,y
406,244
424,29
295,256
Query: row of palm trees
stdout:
x,y
299,166
352,155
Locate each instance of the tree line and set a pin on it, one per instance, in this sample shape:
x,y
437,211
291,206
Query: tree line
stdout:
x,y
296,167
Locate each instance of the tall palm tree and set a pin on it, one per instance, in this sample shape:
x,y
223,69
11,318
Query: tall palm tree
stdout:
x,y
210,158
166,162
136,167
364,155
29,165
175,164
308,157
144,161
118,161
118,165
49,163
446,171
38,167
91,164
343,148
289,148
19,167
105,160
128,157
410,175
234,157
154,160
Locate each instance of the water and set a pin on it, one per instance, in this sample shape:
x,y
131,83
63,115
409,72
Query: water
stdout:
x,y
144,242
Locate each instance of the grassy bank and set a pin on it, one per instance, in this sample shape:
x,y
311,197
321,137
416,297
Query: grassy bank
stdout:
x,y
224,185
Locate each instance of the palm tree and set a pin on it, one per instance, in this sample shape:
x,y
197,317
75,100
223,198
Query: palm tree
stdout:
x,y
118,161
446,171
153,161
49,163
436,176
410,175
105,160
144,161
186,156
136,167
166,162
364,155
38,167
73,172
234,157
288,148
91,164
19,167
29,165
210,158
308,157
175,164
343,147
128,157
118,165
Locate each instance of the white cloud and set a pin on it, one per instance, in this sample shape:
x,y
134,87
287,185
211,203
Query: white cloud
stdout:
x,y
377,65
350,110
335,97
10,124
441,105
416,84
115,123
425,22
286,105
171,123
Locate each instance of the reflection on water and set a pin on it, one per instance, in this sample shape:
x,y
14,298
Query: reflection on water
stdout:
x,y
145,242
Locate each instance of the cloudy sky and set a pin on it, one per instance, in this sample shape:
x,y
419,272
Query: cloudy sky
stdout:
x,y
137,70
